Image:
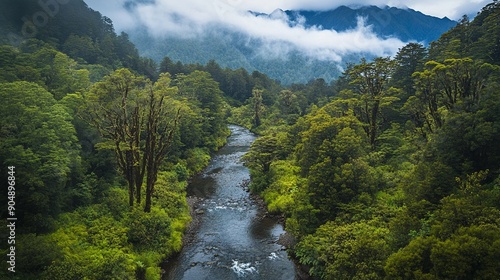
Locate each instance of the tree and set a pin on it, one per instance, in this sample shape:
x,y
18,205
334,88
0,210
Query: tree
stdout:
x,y
205,99
408,60
81,47
427,99
258,106
455,84
161,123
461,80
262,153
288,102
316,90
486,32
68,78
137,119
37,136
114,107
345,251
370,81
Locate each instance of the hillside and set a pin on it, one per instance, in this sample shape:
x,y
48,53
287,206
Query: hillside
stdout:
x,y
235,49
405,24
390,172
84,34
397,174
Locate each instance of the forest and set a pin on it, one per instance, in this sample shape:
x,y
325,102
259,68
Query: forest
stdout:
x,y
392,171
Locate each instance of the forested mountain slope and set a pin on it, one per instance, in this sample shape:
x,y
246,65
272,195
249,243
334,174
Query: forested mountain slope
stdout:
x,y
235,49
405,24
73,28
97,145
397,174
390,172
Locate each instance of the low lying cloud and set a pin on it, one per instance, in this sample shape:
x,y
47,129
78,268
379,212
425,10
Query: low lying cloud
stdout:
x,y
277,36
453,9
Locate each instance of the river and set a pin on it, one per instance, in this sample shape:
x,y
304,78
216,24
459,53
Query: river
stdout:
x,y
234,239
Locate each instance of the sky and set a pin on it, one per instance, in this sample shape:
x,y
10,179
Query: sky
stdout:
x,y
191,18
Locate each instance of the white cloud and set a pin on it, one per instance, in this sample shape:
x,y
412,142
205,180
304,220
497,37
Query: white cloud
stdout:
x,y
192,18
452,9
113,9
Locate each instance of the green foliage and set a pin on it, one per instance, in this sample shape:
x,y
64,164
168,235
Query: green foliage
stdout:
x,y
351,251
390,172
197,159
36,253
44,65
396,175
107,241
61,170
200,89
94,245
93,264
150,230
470,253
170,195
74,217
286,182
39,139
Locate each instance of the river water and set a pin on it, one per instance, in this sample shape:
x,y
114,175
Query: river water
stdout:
x,y
234,239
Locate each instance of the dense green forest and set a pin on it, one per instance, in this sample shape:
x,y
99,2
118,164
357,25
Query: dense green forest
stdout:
x,y
392,171
103,142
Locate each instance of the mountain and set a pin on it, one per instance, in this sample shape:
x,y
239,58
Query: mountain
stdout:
x,y
235,50
283,61
404,24
71,27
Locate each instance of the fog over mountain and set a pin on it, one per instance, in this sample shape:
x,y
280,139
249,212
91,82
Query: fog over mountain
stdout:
x,y
291,46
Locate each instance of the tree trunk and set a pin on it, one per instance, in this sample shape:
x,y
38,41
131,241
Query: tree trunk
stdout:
x,y
138,186
131,194
129,174
147,207
373,123
150,184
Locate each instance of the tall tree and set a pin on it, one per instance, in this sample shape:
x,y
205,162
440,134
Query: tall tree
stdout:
x,y
370,81
455,84
258,106
161,123
409,59
114,107
136,120
205,98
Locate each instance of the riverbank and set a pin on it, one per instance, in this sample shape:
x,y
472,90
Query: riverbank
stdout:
x,y
231,234
286,239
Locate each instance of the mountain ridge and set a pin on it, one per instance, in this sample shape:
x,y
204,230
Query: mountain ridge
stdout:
x,y
345,17
404,24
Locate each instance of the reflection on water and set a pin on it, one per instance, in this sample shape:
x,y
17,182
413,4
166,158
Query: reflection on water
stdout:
x,y
233,240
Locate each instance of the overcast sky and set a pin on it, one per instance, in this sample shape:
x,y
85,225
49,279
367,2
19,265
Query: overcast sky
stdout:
x,y
193,17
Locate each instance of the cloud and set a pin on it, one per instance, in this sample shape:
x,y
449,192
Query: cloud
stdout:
x,y
275,36
453,9
122,19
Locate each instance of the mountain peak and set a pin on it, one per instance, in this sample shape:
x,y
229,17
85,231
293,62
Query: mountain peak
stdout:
x,y
279,14
299,54
402,23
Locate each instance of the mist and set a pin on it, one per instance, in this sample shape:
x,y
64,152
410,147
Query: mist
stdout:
x,y
276,36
